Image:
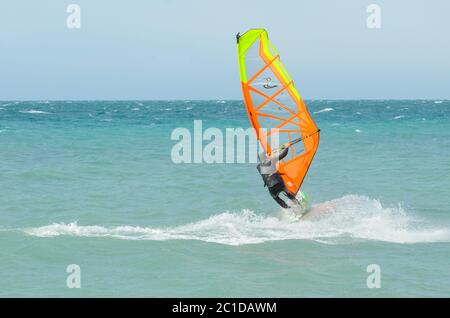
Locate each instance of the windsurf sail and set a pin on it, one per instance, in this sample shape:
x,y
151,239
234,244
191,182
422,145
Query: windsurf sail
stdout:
x,y
275,109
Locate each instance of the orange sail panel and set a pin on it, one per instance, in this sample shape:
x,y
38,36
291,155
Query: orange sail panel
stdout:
x,y
275,109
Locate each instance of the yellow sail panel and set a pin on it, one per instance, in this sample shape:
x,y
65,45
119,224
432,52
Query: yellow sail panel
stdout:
x,y
275,109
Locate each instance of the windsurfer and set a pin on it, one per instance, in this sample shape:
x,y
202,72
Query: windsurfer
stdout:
x,y
270,107
272,178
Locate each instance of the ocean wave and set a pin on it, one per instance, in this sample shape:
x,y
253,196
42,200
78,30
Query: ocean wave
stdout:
x,y
33,111
348,218
398,117
329,109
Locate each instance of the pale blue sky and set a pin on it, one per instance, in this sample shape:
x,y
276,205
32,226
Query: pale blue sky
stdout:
x,y
186,49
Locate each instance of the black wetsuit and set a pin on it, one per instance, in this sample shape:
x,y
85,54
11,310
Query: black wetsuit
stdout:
x,y
272,178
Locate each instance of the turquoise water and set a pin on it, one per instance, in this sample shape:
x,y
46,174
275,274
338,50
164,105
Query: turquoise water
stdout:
x,y
92,183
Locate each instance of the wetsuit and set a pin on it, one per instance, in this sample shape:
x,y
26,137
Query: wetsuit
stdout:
x,y
271,177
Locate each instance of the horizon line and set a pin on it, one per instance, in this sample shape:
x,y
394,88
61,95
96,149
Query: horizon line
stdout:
x,y
208,99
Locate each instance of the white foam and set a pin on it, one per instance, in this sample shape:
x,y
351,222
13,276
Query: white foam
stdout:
x,y
438,102
33,111
357,130
399,117
324,110
348,218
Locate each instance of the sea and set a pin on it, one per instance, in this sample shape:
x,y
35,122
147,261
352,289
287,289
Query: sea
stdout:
x,y
93,204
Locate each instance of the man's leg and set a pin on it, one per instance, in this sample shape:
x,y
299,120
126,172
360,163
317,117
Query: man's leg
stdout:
x,y
292,198
281,202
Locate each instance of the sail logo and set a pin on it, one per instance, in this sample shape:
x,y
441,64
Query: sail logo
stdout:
x,y
212,145
268,83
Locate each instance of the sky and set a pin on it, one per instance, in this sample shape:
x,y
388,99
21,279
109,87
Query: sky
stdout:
x,y
186,49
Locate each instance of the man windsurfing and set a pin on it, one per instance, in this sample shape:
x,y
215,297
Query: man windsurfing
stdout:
x,y
276,112
273,181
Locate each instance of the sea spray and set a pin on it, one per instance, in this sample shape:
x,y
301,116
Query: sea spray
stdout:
x,y
349,217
